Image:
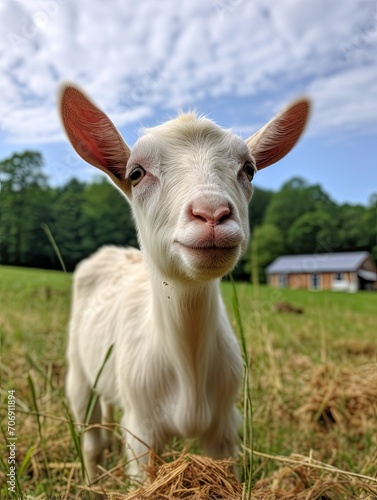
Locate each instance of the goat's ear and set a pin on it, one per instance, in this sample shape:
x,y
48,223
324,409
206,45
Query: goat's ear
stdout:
x,y
273,141
93,135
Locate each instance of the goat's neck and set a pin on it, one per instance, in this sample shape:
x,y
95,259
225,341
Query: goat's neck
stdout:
x,y
187,317
188,322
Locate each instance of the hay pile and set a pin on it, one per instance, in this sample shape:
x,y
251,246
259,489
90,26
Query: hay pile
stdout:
x,y
298,478
343,397
191,477
305,479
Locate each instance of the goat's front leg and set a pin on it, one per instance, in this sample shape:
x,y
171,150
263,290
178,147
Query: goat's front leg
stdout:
x,y
93,439
220,441
140,437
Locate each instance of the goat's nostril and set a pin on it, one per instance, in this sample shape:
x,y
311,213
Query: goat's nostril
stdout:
x,y
211,215
221,214
204,218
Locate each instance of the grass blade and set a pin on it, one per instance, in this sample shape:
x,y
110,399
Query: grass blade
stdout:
x,y
48,484
93,393
54,245
25,462
76,440
35,404
248,435
40,371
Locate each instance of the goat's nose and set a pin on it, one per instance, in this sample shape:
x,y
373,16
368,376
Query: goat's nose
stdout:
x,y
211,215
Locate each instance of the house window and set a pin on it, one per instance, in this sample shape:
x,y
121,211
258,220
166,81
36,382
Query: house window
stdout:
x,y
338,276
315,281
283,280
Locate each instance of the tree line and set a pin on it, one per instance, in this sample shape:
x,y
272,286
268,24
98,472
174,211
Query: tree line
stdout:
x,y
50,227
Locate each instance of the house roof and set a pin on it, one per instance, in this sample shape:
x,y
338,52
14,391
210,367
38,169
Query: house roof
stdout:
x,y
317,263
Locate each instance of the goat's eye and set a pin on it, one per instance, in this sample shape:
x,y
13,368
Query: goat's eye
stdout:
x,y
249,170
136,175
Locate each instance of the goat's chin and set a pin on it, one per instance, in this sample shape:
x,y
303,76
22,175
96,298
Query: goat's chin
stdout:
x,y
203,264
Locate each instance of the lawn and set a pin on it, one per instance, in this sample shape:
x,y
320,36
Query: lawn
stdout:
x,y
313,387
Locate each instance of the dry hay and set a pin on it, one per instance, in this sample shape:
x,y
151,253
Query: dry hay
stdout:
x,y
305,479
341,396
357,347
191,476
298,478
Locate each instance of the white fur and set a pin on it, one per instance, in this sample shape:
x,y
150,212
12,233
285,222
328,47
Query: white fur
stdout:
x,y
176,366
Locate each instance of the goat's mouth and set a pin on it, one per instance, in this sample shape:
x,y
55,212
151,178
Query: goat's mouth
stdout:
x,y
208,261
210,256
213,247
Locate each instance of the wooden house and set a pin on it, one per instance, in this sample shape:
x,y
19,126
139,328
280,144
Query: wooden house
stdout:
x,y
345,271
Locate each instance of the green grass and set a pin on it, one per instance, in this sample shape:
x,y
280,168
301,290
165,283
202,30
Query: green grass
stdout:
x,y
294,360
34,311
328,317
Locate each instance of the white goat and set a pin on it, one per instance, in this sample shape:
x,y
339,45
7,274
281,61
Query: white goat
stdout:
x,y
176,365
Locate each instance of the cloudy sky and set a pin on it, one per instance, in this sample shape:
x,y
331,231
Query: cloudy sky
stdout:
x,y
237,61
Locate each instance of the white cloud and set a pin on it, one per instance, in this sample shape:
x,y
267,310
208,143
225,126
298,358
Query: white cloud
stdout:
x,y
137,58
345,101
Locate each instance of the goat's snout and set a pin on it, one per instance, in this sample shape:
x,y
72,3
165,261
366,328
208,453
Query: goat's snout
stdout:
x,y
210,211
209,215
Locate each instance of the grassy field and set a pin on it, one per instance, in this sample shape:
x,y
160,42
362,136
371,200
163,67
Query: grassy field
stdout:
x,y
313,387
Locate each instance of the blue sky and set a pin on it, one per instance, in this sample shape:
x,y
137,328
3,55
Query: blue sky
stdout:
x,y
237,61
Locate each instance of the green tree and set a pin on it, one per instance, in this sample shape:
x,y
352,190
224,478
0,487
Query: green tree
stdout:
x,y
270,244
369,223
353,227
107,216
295,198
69,226
88,216
313,232
258,206
24,203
